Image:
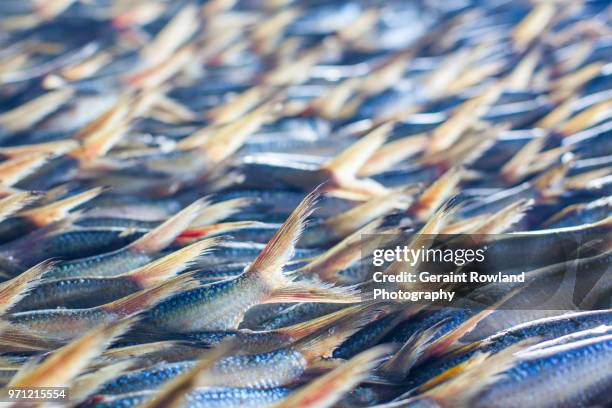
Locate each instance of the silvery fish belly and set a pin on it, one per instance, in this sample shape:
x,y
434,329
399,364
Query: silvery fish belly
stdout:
x,y
305,204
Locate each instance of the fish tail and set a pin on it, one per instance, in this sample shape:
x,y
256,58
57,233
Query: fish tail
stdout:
x,y
170,265
140,301
341,255
15,202
99,143
329,388
18,168
504,219
63,365
343,168
58,210
440,191
411,352
348,222
321,344
268,266
163,235
463,387
515,169
55,149
193,234
220,211
301,330
392,153
14,290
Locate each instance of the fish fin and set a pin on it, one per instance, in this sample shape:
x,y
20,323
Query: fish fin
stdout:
x,y
344,166
321,344
317,292
55,149
329,388
268,266
220,211
176,32
111,117
436,194
86,385
170,265
26,115
225,140
514,170
193,234
15,289
463,387
587,118
449,342
504,219
399,365
237,106
64,364
347,223
15,202
17,338
99,143
340,256
390,154
550,183
163,235
140,301
172,394
477,359
533,25
55,211
14,170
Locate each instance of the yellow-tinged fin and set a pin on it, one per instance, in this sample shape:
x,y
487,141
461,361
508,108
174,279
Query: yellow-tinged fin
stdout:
x,y
16,169
170,265
56,148
110,118
141,301
520,78
238,106
468,113
315,292
99,143
439,192
593,115
176,32
31,112
475,360
58,210
13,203
344,224
326,390
393,153
268,266
515,169
298,331
197,233
172,394
550,183
533,25
156,75
163,235
220,211
399,365
504,219
340,256
569,84
63,365
321,344
13,290
463,387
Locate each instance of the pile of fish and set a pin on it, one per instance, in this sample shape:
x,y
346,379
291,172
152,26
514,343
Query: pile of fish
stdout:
x,y
188,192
